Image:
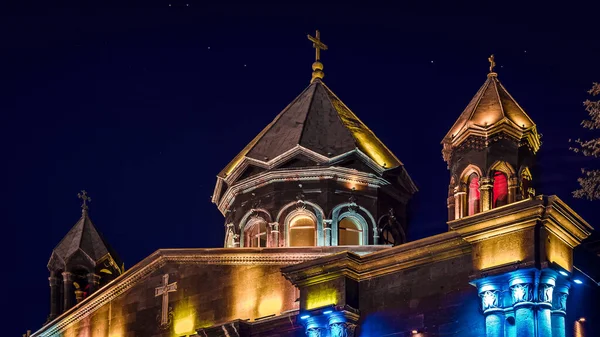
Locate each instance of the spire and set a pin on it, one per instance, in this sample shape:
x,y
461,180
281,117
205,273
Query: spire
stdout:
x,y
317,67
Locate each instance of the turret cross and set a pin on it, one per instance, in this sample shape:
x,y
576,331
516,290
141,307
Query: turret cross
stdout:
x,y
84,197
492,63
318,45
164,291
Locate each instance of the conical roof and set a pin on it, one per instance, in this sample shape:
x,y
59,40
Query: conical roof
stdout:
x,y
493,110
84,238
319,121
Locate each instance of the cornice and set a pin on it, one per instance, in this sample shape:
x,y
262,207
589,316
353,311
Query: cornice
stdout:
x,y
498,221
220,256
409,255
305,174
550,211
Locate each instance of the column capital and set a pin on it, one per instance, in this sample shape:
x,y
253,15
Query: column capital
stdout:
x,y
342,329
486,182
93,277
67,276
316,332
521,288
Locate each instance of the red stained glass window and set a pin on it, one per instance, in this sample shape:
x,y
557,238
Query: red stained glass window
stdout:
x,y
473,194
500,189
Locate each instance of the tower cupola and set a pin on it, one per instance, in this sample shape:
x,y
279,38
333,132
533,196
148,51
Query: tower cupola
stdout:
x,y
315,176
490,151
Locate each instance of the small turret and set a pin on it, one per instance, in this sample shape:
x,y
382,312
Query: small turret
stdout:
x,y
490,151
80,264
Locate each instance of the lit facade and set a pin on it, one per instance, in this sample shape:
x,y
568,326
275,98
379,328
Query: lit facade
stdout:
x,y
315,241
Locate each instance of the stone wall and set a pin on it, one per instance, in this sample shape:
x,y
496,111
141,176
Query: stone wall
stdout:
x,y
435,299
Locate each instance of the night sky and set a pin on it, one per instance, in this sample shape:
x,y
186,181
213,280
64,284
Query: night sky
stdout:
x,y
143,105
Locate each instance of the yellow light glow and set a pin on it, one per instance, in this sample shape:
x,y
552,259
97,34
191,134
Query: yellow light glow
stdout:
x,y
184,325
320,298
502,250
270,305
559,252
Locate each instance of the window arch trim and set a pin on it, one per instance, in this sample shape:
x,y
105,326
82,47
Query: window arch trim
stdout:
x,y
300,212
336,217
247,217
317,211
360,223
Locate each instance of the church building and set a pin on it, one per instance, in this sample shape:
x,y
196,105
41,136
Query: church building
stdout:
x,y
315,241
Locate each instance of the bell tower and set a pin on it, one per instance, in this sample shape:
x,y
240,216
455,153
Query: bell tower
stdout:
x,y
80,264
490,151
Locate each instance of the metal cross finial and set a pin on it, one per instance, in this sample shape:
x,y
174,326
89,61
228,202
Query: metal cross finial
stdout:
x,y
492,63
318,45
83,196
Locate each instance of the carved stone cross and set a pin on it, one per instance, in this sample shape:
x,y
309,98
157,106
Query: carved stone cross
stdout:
x,y
164,291
85,199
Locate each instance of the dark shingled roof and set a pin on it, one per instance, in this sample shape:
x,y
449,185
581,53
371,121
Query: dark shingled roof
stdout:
x,y
317,120
84,238
492,107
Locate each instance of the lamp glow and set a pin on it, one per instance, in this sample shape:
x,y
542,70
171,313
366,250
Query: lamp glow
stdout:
x,y
327,312
578,281
304,316
563,273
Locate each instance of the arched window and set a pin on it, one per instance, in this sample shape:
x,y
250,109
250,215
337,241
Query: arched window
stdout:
x,y
255,234
349,232
387,236
500,192
302,231
473,194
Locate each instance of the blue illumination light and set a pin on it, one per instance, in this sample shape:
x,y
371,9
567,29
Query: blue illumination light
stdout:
x,y
578,281
327,312
304,316
563,273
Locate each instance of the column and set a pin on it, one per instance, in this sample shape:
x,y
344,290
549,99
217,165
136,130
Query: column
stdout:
x,y
485,190
521,290
54,296
316,327
340,327
451,208
67,290
460,202
93,282
274,234
512,189
327,232
544,299
491,304
559,308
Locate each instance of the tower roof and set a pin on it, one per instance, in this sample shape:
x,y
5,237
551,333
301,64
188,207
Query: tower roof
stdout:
x,y
492,110
84,240
319,121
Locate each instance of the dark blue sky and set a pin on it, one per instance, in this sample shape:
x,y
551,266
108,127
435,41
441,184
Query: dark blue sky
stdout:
x,y
131,104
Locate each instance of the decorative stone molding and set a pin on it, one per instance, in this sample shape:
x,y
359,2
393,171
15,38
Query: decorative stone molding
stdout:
x,y
307,174
545,293
490,299
316,332
559,299
342,329
521,292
